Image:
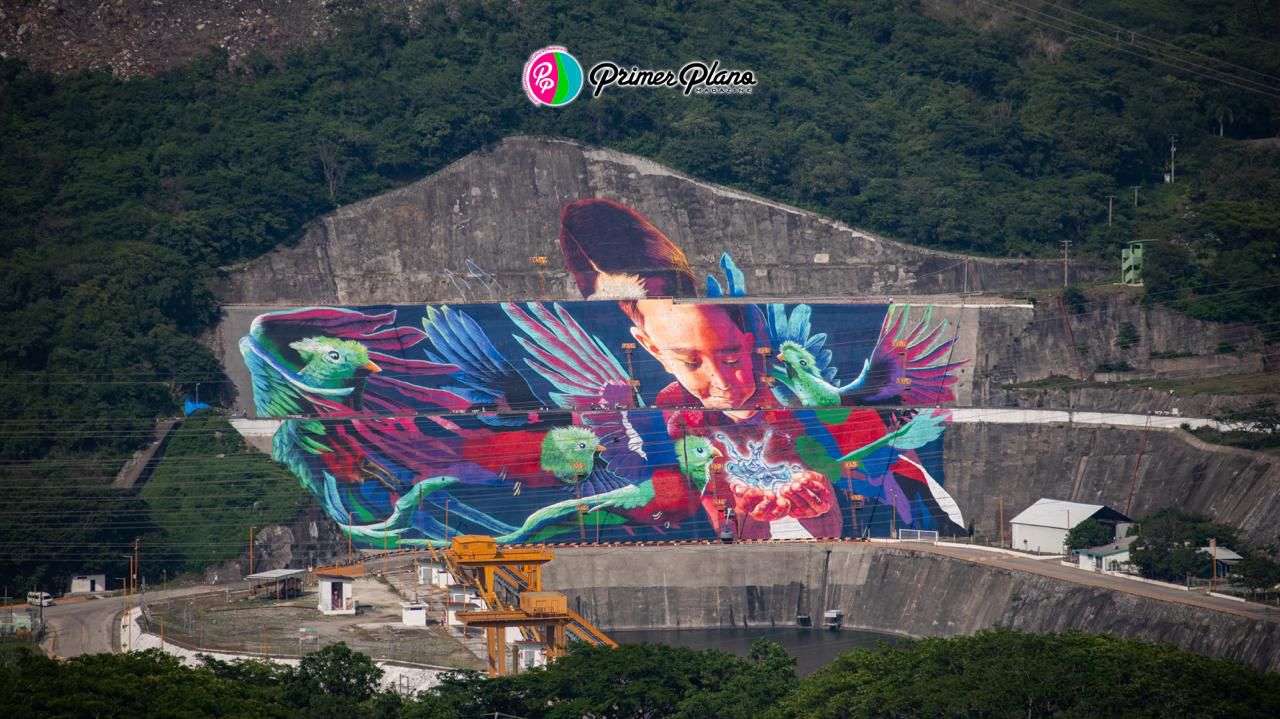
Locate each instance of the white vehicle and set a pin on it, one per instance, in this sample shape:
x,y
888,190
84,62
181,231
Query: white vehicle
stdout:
x,y
39,599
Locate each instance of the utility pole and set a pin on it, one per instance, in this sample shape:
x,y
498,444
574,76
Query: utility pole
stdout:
x,y
137,565
1110,202
1213,563
250,550
1173,149
349,535
1066,261
1135,195
1002,521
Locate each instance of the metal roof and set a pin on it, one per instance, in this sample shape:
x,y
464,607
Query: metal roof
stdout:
x,y
1106,550
1222,554
1061,514
277,574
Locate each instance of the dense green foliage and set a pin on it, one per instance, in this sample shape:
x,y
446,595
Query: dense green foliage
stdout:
x,y
332,682
971,133
997,673
208,489
1089,533
1170,543
1007,674
58,523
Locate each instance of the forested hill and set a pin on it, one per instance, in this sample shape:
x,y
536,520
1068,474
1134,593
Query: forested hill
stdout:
x,y
978,127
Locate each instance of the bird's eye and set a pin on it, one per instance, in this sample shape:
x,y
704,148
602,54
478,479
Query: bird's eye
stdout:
x,y
582,445
804,363
333,355
701,450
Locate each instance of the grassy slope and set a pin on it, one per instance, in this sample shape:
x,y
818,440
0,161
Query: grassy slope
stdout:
x,y
209,488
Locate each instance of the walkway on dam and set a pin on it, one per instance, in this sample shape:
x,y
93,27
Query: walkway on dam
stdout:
x,y
1053,568
256,431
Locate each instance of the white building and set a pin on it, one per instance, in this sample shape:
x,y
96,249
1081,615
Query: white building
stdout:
x,y
88,583
413,614
1043,527
1107,558
530,654
337,594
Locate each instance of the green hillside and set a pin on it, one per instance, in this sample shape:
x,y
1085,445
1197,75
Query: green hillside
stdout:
x,y
209,489
963,126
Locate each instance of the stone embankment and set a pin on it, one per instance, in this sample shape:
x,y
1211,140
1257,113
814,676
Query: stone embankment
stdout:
x,y
881,588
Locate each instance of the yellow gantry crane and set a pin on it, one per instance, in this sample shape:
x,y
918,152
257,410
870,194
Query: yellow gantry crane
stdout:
x,y
500,574
509,580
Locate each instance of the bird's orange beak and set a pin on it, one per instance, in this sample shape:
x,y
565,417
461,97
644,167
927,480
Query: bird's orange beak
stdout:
x,y
716,452
371,366
782,357
599,447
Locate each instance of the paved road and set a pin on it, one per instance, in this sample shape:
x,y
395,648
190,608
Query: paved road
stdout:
x,y
1054,568
88,626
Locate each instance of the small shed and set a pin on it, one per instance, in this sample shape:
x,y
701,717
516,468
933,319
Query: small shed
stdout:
x,y
462,594
530,654
88,583
451,610
1224,558
427,571
1107,558
413,614
1043,527
337,594
277,583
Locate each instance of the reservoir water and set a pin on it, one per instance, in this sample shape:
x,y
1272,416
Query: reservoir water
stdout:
x,y
812,648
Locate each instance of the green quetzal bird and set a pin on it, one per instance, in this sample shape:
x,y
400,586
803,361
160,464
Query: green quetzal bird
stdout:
x,y
573,455
910,363
320,370
671,495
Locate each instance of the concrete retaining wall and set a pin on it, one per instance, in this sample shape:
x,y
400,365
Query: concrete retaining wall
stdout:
x,y
1095,464
880,588
500,206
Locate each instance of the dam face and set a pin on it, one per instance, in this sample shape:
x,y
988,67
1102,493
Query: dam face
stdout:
x,y
879,588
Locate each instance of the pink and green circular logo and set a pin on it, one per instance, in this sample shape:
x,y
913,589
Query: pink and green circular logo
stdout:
x,y
552,77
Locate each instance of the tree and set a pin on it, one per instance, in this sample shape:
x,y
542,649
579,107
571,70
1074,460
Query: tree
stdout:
x,y
1258,571
1089,533
1002,673
1169,543
338,672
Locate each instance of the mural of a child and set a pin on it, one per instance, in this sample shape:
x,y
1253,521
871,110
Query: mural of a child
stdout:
x,y
613,253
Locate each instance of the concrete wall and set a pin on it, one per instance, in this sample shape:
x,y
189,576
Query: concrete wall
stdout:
x,y
501,206
1095,465
1031,538
879,588
1014,346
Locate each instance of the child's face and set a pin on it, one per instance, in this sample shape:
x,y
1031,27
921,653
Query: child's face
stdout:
x,y
702,347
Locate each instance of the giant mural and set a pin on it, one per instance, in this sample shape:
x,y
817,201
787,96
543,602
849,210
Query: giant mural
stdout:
x,y
642,412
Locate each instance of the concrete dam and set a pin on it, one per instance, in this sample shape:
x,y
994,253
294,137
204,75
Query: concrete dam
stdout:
x,y
487,234
884,588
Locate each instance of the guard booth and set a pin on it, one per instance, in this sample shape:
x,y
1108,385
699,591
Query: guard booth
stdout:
x,y
337,594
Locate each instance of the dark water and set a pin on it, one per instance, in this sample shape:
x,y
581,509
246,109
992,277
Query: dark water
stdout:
x,y
812,648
